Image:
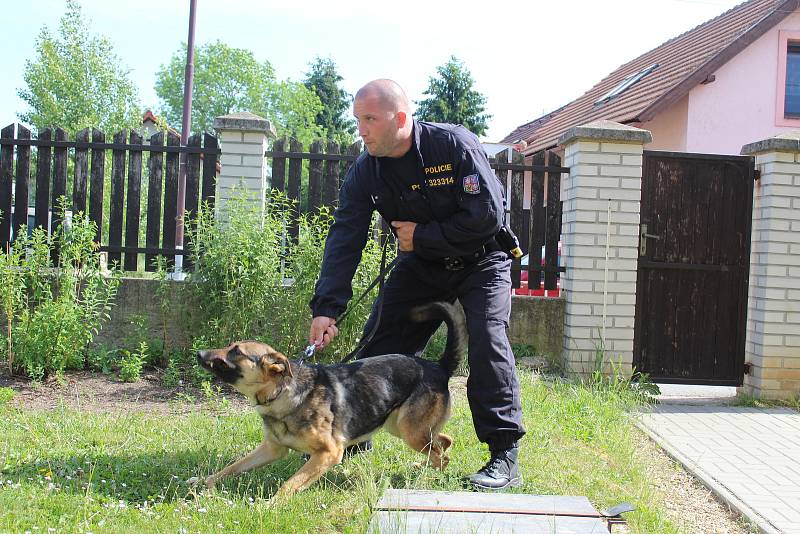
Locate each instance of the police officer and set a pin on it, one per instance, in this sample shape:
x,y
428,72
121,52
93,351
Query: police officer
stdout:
x,y
433,183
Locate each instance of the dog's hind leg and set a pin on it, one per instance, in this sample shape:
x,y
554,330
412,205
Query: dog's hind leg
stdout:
x,y
312,470
418,425
263,454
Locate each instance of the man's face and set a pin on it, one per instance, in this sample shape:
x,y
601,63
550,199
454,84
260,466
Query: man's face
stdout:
x,y
377,126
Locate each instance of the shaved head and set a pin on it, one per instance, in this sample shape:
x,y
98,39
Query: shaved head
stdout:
x,y
388,93
384,118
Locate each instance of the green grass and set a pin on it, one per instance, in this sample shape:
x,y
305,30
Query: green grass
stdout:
x,y
87,472
743,399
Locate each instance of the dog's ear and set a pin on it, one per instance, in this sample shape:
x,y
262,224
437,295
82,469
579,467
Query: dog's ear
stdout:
x,y
281,364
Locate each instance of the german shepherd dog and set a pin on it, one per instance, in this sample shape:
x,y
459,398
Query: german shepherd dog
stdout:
x,y
321,409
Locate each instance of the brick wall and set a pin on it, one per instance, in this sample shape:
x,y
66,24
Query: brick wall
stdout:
x,y
773,311
605,162
243,139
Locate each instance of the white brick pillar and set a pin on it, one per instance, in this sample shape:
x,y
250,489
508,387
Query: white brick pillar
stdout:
x,y
605,171
773,304
243,170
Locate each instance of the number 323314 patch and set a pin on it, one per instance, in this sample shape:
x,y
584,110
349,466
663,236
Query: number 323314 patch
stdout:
x,y
472,184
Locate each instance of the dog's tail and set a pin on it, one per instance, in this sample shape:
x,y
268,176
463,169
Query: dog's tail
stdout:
x,y
456,346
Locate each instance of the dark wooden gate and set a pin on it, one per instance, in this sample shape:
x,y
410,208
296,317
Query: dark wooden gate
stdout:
x,y
694,257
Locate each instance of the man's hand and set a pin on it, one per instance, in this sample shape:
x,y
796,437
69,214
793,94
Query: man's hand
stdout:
x,y
405,234
323,330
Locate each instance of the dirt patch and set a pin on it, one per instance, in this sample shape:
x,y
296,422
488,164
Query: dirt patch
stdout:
x,y
93,392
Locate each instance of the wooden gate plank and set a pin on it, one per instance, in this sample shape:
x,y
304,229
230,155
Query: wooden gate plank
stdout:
x,y
58,200
155,164
6,187
330,180
133,208
278,166
171,197
293,189
537,225
117,206
80,180
23,177
315,178
59,178
97,180
553,232
209,170
191,198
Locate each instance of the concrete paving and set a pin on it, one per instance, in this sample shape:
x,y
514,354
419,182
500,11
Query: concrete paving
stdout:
x,y
749,457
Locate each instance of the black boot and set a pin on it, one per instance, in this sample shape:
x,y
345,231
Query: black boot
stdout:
x,y
500,472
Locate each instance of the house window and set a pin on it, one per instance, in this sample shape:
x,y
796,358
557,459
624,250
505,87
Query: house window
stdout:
x,y
791,104
624,84
787,83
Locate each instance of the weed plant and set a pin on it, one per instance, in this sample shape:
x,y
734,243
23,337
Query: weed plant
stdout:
x,y
53,310
253,281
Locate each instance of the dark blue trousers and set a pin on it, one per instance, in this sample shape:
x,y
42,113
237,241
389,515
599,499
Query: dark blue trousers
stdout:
x,y
484,291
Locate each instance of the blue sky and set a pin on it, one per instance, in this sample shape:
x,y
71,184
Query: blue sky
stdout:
x,y
527,57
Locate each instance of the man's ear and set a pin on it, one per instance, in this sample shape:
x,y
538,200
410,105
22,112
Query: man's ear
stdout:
x,y
402,118
281,365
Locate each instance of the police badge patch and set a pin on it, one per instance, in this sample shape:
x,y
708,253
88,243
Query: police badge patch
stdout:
x,y
472,184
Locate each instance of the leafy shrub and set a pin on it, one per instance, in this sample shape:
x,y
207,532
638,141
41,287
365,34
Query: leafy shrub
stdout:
x,y
131,363
252,282
53,310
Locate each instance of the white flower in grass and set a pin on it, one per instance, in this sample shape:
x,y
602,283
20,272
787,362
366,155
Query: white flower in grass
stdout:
x,y
202,510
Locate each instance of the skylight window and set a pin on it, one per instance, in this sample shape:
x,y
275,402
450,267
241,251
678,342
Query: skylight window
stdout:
x,y
624,84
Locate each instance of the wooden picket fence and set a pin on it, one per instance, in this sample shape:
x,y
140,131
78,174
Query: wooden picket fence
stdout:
x,y
533,185
88,158
534,181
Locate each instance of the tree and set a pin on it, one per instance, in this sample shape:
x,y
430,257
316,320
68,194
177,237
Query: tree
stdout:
x,y
227,80
453,100
76,81
335,113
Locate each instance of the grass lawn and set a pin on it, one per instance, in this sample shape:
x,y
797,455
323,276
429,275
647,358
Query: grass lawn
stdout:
x,y
126,472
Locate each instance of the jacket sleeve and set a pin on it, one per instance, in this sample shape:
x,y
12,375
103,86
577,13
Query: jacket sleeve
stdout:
x,y
343,247
479,216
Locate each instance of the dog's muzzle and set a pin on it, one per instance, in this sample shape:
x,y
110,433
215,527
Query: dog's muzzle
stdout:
x,y
208,357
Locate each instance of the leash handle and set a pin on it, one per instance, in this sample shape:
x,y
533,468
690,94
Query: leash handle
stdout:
x,y
308,352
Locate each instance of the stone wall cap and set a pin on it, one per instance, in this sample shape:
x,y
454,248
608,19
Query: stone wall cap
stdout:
x,y
244,121
784,142
605,130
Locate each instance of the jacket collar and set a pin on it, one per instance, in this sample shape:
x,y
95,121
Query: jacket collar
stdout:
x,y
415,135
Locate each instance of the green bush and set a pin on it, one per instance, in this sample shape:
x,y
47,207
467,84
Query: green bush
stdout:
x,y
53,310
131,363
252,282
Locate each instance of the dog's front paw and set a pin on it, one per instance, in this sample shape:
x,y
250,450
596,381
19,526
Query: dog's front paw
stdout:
x,y
211,482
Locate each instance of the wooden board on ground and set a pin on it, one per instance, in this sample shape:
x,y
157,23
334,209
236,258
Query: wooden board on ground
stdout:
x,y
420,511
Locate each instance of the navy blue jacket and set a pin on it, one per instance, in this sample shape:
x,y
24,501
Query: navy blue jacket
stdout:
x,y
457,204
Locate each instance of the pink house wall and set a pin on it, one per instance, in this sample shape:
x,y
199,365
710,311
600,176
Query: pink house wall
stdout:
x,y
669,127
739,107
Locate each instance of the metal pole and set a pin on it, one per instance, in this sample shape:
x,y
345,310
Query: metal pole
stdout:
x,y
186,125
